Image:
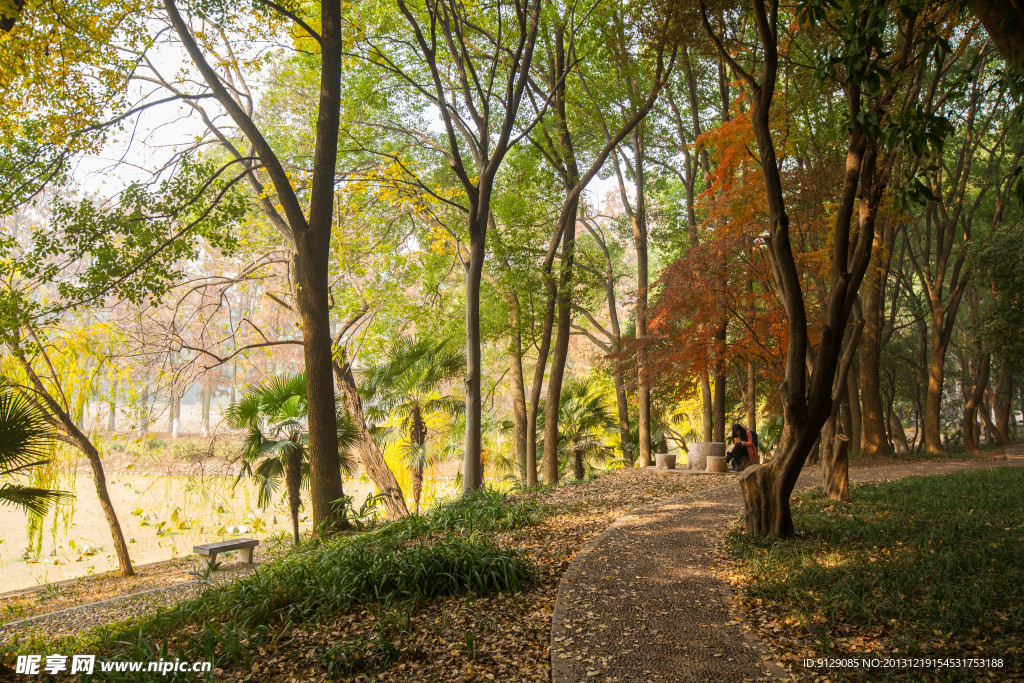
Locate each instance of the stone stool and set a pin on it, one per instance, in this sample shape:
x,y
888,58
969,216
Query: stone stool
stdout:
x,y
716,463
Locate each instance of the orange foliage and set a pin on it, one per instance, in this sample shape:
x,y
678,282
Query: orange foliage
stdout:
x,y
727,275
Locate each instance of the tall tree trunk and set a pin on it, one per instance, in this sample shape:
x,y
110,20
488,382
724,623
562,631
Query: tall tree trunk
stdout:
x,y
1001,401
472,466
707,408
622,408
873,439
540,366
751,398
324,462
933,391
985,412
293,481
234,381
639,224
899,437
561,351
417,437
515,353
369,452
835,464
719,401
143,403
856,423
100,481
205,401
112,415
973,399
175,414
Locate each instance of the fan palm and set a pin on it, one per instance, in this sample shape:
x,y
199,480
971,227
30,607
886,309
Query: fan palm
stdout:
x,y
26,439
275,447
584,420
405,388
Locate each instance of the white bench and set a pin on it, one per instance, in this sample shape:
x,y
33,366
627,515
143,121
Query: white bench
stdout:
x,y
208,552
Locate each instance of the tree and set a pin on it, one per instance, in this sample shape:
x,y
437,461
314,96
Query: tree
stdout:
x,y
406,387
26,441
869,75
490,51
274,418
960,179
309,234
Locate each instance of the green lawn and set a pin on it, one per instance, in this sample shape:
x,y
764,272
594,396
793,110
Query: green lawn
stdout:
x,y
927,566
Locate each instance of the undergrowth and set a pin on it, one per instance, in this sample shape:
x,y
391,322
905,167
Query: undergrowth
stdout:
x,y
446,552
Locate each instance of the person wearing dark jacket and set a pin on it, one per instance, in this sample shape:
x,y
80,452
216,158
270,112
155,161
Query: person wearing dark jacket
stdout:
x,y
742,444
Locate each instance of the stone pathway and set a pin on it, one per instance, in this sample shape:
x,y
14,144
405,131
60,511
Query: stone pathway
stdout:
x,y
642,602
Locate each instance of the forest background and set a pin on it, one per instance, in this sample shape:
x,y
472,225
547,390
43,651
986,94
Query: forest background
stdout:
x,y
526,239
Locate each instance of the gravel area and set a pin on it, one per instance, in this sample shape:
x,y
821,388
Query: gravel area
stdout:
x,y
644,601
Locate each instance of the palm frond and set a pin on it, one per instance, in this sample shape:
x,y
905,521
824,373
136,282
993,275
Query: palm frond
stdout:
x,y
268,476
32,499
25,433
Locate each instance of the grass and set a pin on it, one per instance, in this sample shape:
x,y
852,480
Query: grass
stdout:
x,y
924,566
390,568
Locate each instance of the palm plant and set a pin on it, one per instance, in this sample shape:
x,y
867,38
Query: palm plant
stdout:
x,y
584,421
405,388
273,417
26,439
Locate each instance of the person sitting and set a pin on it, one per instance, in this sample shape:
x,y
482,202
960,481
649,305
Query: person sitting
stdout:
x,y
742,445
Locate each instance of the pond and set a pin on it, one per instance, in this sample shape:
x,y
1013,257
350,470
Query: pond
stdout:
x,y
162,517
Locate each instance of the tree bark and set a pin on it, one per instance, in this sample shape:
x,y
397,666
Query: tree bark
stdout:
x,y
472,465
971,404
369,453
873,439
175,414
205,401
1004,22
324,463
899,437
751,397
561,350
707,408
719,400
933,392
856,424
835,469
1002,399
143,403
417,437
540,366
293,481
519,421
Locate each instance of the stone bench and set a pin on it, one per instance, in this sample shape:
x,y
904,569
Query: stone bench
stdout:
x,y
208,552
